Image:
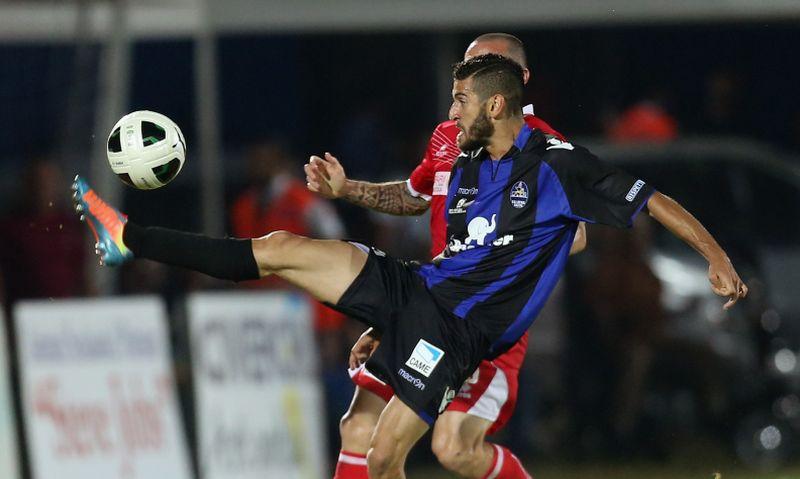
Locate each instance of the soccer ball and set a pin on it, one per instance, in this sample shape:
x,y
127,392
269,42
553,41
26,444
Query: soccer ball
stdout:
x,y
146,149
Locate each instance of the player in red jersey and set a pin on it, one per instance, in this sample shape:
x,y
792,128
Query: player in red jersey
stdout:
x,y
486,400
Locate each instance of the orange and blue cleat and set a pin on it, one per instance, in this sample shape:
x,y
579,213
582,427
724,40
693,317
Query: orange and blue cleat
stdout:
x,y
105,222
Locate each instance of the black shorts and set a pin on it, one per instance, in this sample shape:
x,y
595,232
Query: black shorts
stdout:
x,y
426,353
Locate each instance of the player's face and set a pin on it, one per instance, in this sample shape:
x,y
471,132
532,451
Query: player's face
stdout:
x,y
471,117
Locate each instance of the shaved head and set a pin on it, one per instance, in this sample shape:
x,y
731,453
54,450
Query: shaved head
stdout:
x,y
503,44
500,44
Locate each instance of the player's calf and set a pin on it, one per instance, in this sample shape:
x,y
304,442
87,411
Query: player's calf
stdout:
x,y
356,430
466,461
459,444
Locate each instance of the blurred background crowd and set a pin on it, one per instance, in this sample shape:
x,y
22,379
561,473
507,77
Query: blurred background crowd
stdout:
x,y
633,359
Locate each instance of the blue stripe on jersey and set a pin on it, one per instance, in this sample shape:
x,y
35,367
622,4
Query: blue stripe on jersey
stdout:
x,y
547,281
492,179
552,207
425,417
522,137
553,200
520,262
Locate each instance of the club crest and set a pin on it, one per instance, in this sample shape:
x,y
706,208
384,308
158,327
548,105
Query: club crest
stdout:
x,y
519,194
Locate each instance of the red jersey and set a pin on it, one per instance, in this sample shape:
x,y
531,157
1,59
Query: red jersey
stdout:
x,y
431,177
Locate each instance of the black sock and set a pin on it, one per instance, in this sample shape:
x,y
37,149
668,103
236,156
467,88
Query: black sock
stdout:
x,y
227,258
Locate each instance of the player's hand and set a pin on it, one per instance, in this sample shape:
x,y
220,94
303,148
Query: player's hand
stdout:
x,y
366,345
725,281
325,176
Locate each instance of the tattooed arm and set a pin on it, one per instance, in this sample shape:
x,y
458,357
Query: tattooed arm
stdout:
x,y
393,197
327,177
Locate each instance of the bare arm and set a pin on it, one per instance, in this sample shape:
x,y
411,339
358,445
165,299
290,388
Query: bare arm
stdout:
x,y
327,177
392,197
723,277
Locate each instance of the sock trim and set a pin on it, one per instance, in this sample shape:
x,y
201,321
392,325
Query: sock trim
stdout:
x,y
498,462
352,458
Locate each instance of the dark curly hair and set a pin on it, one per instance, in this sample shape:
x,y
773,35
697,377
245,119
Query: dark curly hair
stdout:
x,y
491,75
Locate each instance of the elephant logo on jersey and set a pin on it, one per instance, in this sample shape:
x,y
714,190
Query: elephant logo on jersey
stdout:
x,y
519,194
478,228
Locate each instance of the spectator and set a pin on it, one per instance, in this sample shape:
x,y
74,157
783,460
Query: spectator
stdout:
x,y
277,200
645,121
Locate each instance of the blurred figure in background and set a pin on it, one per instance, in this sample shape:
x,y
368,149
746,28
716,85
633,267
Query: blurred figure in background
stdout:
x,y
647,120
723,104
616,325
624,299
42,250
276,199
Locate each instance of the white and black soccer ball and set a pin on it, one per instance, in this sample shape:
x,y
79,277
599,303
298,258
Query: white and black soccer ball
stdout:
x,y
146,149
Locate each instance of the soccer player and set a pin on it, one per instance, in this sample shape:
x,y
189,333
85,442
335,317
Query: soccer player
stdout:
x,y
513,205
486,402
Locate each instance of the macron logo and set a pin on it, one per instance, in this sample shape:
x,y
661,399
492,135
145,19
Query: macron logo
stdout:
x,y
417,382
634,190
424,358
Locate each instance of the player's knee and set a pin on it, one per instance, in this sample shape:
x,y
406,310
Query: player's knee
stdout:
x,y
271,251
356,430
382,463
452,454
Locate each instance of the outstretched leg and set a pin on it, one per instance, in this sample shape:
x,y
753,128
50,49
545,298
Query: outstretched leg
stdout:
x,y
324,268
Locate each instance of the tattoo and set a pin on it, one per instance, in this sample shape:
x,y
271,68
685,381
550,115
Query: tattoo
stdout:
x,y
392,198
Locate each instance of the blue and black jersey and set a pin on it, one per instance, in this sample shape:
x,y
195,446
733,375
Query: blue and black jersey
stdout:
x,y
511,223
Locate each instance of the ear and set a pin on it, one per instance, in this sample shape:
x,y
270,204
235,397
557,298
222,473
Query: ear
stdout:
x,y
495,106
526,75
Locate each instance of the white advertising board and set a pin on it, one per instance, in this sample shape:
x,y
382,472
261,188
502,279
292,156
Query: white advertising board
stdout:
x,y
98,391
9,463
257,394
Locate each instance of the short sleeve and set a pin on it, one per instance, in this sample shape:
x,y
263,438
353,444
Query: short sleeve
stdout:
x,y
598,192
